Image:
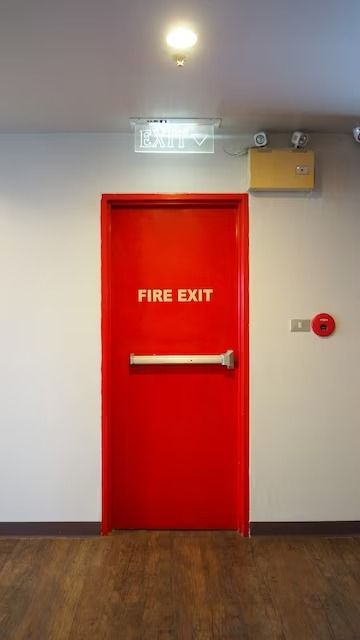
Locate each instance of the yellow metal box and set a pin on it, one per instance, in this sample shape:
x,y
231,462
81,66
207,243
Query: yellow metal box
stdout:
x,y
281,169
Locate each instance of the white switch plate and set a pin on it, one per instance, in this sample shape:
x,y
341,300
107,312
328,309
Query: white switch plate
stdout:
x,y
299,324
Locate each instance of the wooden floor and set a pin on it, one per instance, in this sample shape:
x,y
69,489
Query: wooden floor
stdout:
x,y
176,585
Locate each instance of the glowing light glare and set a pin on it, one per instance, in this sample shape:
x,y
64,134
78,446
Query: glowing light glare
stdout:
x,y
181,39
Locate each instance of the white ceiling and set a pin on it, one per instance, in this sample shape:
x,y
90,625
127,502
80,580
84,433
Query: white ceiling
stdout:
x,y
87,65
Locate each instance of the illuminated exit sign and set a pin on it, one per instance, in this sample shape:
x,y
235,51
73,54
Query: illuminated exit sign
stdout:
x,y
168,137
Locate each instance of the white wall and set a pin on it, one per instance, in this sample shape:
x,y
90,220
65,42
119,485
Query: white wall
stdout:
x,y
304,258
305,400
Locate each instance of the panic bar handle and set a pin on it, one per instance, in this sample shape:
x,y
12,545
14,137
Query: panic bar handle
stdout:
x,y
225,359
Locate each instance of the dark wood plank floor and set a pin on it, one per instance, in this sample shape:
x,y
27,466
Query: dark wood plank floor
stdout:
x,y
177,585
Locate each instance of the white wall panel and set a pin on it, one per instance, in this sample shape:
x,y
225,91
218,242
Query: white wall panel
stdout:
x,y
305,258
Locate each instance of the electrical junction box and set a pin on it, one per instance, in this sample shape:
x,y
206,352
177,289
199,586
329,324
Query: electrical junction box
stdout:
x,y
281,169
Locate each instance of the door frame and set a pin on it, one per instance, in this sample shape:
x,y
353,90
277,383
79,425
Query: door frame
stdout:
x,y
240,201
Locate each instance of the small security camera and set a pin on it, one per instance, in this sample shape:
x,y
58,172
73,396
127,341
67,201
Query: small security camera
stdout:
x,y
260,139
299,139
356,134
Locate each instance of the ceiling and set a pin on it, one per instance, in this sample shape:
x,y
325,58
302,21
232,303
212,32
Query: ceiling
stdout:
x,y
88,65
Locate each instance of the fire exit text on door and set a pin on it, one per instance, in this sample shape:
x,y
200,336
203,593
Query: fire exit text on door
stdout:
x,y
174,295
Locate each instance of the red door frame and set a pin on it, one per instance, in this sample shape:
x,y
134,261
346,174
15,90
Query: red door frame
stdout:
x,y
240,201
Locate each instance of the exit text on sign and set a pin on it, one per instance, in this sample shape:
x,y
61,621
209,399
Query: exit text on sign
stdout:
x,y
174,138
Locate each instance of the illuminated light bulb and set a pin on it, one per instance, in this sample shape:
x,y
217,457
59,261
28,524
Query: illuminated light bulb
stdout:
x,y
181,39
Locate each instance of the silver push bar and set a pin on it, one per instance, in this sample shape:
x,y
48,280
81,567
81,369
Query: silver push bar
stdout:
x,y
225,359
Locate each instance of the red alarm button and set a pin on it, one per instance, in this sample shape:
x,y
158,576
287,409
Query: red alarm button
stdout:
x,y
323,325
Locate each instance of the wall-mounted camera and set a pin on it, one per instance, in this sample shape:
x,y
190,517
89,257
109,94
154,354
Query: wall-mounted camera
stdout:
x,y
299,139
260,139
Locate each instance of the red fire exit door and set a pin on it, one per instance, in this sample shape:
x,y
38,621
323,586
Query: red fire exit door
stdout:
x,y
175,362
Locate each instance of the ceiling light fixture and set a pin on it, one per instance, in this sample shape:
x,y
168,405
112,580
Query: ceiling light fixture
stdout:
x,y
181,40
